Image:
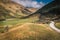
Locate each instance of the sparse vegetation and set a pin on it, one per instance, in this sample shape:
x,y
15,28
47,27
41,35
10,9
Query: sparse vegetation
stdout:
x,y
32,32
1,30
14,22
23,28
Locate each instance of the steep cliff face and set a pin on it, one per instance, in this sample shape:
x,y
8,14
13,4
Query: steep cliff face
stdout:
x,y
10,9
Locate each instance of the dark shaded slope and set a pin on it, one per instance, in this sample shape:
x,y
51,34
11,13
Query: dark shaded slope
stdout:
x,y
50,11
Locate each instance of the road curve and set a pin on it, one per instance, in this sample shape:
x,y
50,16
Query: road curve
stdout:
x,y
52,25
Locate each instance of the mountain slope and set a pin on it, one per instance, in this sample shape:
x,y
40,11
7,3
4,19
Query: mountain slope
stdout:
x,y
31,31
49,12
10,9
33,9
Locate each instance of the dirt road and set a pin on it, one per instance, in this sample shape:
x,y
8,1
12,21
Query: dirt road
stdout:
x,y
52,25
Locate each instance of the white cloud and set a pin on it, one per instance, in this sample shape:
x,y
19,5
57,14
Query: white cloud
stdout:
x,y
30,3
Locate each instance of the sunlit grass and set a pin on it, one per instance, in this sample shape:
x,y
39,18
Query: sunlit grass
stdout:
x,y
32,32
14,22
58,25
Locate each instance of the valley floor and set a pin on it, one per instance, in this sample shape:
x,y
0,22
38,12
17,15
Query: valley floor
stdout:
x,y
27,29
30,31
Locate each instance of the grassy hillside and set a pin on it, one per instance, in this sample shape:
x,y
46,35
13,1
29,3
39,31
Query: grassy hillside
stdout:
x,y
58,25
26,28
13,22
31,31
10,9
32,9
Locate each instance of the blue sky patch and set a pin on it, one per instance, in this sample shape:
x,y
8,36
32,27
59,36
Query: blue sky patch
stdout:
x,y
33,3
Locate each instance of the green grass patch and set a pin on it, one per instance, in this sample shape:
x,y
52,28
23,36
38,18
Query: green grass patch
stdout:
x,y
58,25
16,21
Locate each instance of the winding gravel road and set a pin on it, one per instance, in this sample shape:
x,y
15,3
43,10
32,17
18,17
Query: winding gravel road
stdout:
x,y
52,25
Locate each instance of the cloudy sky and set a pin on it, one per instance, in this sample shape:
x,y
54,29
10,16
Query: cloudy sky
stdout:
x,y
33,3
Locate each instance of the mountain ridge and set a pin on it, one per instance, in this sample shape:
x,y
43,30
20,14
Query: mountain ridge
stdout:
x,y
12,9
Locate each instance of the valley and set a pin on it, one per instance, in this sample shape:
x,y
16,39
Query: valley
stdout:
x,y
20,23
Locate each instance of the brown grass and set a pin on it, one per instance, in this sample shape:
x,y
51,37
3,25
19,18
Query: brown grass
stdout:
x,y
31,31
